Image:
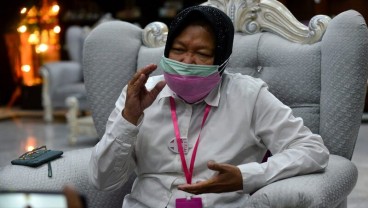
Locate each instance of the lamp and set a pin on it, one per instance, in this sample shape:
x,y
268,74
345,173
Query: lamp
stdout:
x,y
37,42
39,34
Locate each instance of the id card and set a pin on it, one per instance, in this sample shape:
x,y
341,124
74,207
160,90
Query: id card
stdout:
x,y
194,202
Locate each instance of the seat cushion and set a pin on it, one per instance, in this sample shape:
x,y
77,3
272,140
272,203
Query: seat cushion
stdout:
x,y
70,169
61,93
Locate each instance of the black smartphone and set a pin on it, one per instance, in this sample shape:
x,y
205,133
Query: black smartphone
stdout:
x,y
31,199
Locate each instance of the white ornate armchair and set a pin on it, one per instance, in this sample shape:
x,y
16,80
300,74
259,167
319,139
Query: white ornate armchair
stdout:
x,y
62,79
320,71
63,87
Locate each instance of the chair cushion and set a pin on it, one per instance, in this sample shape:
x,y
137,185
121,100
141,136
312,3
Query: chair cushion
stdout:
x,y
326,189
62,92
70,169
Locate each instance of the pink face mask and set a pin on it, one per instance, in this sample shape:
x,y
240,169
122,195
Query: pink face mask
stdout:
x,y
191,82
192,88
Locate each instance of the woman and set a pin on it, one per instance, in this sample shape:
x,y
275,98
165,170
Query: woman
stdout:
x,y
196,136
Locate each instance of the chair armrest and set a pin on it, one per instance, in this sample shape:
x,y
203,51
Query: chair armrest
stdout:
x,y
54,75
72,169
326,189
61,73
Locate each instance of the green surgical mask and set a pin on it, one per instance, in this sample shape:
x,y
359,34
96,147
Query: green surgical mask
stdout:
x,y
175,67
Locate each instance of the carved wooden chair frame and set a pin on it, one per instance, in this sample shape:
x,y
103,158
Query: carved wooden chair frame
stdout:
x,y
250,17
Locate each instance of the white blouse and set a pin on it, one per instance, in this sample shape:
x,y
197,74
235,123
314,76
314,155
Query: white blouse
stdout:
x,y
245,120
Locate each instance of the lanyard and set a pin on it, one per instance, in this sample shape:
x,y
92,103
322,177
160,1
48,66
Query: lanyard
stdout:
x,y
188,173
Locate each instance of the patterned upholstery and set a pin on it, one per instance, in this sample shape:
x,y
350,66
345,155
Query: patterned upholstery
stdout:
x,y
295,65
70,169
344,52
117,56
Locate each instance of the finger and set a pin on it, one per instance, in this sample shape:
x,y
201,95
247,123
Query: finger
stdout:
x,y
197,188
140,82
147,70
140,78
212,165
157,89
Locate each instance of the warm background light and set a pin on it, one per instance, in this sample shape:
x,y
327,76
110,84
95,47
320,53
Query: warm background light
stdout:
x,y
31,143
22,29
26,68
30,148
55,9
33,39
57,29
38,32
23,11
42,48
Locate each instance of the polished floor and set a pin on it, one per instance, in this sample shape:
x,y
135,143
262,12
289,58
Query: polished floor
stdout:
x,y
22,130
18,134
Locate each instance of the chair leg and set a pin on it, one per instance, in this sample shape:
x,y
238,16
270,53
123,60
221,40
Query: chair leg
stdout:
x,y
47,114
71,117
46,100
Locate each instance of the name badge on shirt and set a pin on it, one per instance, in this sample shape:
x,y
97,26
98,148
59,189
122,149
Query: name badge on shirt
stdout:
x,y
174,147
194,202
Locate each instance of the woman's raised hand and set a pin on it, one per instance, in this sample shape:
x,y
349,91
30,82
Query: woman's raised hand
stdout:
x,y
138,97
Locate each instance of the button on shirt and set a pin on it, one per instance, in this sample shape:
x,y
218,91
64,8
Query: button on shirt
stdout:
x,y
245,120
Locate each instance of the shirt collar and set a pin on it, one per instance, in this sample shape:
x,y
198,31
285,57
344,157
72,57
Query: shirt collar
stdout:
x,y
212,99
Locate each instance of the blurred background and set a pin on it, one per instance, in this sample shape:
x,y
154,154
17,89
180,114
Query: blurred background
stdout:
x,y
17,73
22,52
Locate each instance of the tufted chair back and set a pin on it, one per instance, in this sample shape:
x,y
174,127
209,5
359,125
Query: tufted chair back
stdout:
x,y
324,83
74,38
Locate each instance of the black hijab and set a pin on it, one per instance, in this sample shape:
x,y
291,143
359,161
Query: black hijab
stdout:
x,y
221,24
